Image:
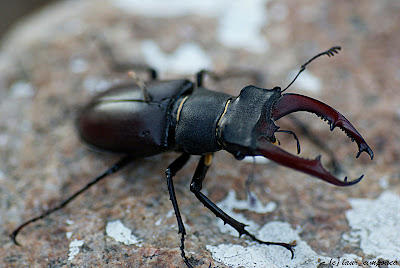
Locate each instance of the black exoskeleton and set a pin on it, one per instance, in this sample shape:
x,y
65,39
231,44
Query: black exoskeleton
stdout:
x,y
143,119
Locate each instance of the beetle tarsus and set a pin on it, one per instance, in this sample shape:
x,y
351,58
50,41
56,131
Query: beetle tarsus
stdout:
x,y
172,169
195,187
289,246
114,168
13,236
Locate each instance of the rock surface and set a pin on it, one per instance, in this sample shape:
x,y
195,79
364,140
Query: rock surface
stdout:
x,y
51,65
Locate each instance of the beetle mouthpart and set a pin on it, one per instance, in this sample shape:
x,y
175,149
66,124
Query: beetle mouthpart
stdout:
x,y
311,167
290,103
294,136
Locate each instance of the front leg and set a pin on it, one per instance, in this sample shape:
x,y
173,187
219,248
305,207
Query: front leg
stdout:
x,y
172,169
196,186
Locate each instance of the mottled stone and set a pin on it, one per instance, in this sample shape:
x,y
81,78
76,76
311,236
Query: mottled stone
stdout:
x,y
50,66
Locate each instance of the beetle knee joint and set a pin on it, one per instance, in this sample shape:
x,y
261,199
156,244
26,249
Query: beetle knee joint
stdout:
x,y
195,188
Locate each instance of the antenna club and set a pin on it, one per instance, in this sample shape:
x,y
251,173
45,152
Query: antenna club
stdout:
x,y
330,52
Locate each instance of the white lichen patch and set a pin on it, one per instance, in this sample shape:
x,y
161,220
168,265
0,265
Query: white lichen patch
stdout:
x,y
257,255
74,247
68,234
240,22
120,233
230,203
375,224
187,58
240,25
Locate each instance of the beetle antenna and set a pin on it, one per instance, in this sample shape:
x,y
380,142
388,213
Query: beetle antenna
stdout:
x,y
330,52
141,84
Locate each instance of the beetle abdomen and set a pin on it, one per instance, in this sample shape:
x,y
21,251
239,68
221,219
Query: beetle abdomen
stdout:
x,y
119,120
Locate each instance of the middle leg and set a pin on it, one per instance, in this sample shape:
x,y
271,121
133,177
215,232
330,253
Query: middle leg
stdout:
x,y
196,186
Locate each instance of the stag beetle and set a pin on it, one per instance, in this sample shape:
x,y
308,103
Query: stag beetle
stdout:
x,y
143,119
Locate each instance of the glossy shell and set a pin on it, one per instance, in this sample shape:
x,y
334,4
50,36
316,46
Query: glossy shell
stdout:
x,y
120,121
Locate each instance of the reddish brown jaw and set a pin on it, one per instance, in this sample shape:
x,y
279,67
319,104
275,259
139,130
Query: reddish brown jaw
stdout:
x,y
289,103
312,167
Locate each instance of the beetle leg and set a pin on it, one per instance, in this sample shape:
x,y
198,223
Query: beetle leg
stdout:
x,y
253,74
142,85
172,169
196,186
116,167
117,65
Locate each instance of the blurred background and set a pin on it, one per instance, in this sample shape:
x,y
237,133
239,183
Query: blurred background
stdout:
x,y
12,10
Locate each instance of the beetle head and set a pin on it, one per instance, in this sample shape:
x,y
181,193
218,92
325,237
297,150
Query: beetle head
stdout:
x,y
247,128
246,118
